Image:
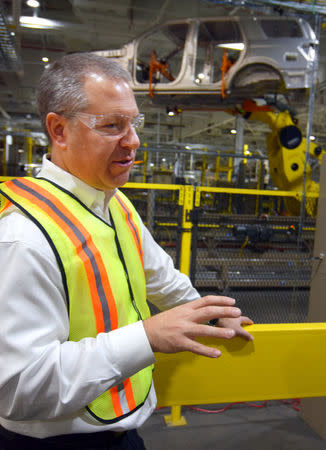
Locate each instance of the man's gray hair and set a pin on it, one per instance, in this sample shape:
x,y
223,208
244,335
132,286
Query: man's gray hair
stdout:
x,y
61,86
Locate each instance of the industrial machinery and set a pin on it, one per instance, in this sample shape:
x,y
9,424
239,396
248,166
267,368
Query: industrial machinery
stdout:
x,y
286,150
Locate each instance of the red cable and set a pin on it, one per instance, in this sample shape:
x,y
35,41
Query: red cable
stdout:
x,y
295,402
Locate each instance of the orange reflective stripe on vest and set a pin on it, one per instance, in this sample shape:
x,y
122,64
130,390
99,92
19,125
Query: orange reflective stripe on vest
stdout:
x,y
132,227
129,394
102,297
6,205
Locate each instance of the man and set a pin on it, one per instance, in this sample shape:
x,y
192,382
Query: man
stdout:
x,y
77,340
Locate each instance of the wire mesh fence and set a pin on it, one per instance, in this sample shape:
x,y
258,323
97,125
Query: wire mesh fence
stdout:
x,y
244,247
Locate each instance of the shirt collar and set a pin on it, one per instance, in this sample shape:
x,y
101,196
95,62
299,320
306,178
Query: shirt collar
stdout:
x,y
91,197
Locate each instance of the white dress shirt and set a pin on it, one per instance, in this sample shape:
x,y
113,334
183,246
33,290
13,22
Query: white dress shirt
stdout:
x,y
45,380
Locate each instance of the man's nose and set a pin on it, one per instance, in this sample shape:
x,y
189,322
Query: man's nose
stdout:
x,y
130,139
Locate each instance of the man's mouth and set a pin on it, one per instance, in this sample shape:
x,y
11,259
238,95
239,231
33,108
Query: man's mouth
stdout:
x,y
125,162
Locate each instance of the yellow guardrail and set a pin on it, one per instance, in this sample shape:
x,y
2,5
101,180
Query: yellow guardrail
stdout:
x,y
283,361
272,193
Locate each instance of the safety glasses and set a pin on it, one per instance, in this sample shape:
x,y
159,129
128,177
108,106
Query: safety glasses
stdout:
x,y
111,124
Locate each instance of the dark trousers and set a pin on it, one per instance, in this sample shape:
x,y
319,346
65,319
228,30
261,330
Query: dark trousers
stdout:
x,y
105,440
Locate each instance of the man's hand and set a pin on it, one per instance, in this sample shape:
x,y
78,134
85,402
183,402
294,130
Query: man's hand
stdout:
x,y
175,330
236,325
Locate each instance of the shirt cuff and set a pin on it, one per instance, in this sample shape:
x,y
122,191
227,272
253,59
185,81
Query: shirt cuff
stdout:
x,y
131,348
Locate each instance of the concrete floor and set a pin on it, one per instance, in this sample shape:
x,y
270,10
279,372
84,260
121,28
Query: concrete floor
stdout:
x,y
274,427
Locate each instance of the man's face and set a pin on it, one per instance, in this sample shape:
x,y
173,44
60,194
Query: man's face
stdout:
x,y
103,162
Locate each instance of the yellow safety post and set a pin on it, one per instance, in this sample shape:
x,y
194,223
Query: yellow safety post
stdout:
x,y
230,169
186,229
29,155
145,162
229,178
258,185
5,155
175,419
217,168
283,361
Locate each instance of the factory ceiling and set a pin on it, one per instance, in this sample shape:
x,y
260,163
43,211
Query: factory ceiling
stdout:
x,y
89,25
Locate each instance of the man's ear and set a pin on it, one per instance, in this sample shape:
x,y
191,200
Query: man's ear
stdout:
x,y
56,128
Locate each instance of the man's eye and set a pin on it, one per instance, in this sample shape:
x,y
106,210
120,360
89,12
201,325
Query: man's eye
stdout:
x,y
111,126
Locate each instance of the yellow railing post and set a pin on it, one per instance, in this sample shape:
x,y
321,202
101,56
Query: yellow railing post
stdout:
x,y
217,168
188,205
145,163
259,186
175,418
29,155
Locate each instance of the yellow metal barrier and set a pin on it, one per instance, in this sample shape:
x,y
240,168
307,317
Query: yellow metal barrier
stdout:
x,y
146,186
225,190
283,361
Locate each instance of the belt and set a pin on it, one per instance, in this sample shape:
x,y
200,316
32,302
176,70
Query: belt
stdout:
x,y
71,441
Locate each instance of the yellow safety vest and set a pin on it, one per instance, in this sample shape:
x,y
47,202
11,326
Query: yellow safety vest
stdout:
x,y
102,273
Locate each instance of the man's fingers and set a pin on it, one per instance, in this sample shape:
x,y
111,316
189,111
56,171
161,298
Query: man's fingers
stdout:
x,y
207,313
243,333
209,331
213,300
200,349
246,321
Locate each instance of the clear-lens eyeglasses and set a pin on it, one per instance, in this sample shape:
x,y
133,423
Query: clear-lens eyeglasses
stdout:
x,y
111,124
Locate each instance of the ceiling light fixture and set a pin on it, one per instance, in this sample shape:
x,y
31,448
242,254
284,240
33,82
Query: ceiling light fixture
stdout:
x,y
173,111
39,22
33,3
